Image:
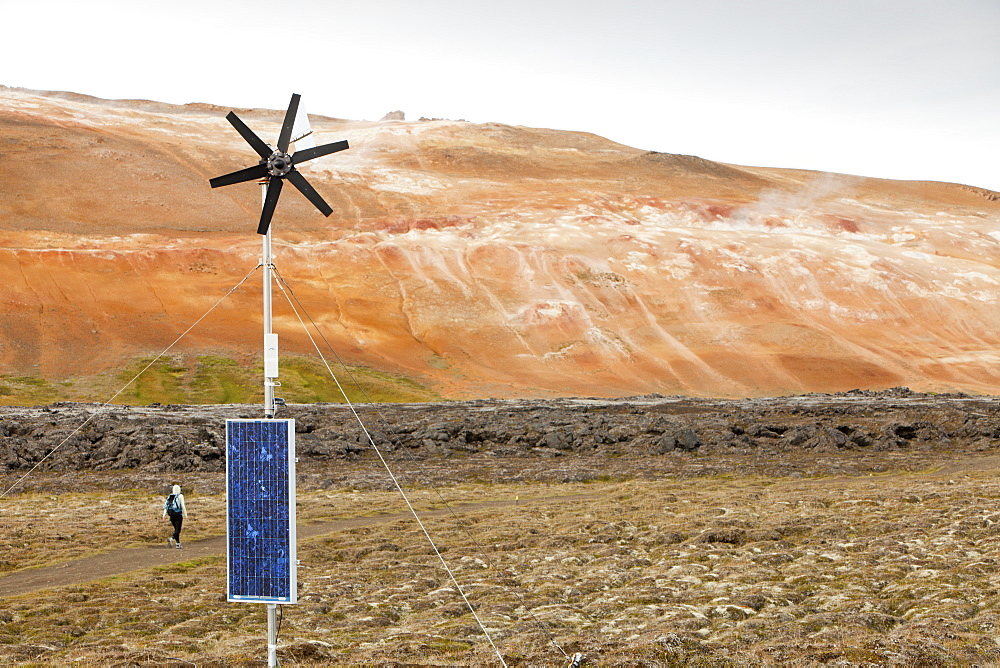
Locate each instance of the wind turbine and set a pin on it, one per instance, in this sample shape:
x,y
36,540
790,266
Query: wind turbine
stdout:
x,y
276,165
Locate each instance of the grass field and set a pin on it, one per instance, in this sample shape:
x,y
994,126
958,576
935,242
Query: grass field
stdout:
x,y
894,569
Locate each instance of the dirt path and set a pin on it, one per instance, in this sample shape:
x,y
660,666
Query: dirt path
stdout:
x,y
118,562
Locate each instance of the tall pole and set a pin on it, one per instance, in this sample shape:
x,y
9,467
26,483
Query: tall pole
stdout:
x,y
270,378
272,635
270,339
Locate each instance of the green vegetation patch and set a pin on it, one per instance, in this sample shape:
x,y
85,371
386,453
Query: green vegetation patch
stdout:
x,y
306,380
27,391
154,380
215,379
220,380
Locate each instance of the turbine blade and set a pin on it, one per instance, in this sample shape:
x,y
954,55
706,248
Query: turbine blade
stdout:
x,y
326,149
263,150
270,201
306,189
286,127
248,174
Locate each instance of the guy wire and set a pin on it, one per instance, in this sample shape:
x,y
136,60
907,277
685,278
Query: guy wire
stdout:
x,y
282,283
395,482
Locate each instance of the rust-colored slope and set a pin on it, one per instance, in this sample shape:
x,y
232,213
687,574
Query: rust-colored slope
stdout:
x,y
488,260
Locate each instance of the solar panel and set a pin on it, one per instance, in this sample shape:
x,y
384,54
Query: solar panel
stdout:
x,y
260,511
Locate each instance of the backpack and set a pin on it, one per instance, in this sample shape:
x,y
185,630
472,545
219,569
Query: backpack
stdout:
x,y
172,505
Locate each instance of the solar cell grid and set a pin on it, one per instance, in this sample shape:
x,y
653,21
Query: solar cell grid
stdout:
x,y
260,487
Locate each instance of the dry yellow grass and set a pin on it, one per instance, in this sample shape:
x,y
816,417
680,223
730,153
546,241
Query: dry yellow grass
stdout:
x,y
896,569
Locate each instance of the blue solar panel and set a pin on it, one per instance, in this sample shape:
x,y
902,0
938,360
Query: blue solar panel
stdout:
x,y
260,504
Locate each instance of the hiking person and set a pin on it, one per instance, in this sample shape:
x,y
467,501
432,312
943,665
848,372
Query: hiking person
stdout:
x,y
175,508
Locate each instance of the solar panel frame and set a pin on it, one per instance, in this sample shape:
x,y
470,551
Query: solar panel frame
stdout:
x,y
261,554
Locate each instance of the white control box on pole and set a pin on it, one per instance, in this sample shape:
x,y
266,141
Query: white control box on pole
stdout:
x,y
270,355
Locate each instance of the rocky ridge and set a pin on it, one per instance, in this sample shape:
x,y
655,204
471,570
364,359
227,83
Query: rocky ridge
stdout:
x,y
593,434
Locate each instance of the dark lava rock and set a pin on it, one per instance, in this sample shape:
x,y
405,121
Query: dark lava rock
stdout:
x,y
77,437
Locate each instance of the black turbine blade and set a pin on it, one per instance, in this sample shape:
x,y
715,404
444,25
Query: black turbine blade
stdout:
x,y
286,127
270,201
306,189
263,150
248,174
317,151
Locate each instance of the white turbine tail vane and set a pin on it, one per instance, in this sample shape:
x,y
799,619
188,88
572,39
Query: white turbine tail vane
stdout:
x,y
302,131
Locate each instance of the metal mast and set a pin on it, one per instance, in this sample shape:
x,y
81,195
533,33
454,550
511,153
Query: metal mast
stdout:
x,y
276,165
270,338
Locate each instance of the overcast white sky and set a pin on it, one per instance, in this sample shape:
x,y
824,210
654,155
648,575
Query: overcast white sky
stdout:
x,y
904,89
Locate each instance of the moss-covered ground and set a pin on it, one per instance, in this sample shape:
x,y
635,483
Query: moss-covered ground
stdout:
x,y
899,569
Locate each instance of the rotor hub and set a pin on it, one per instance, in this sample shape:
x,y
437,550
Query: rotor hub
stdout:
x,y
279,164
